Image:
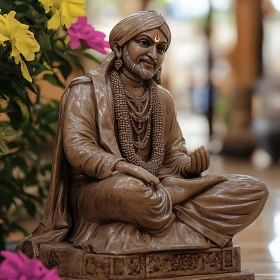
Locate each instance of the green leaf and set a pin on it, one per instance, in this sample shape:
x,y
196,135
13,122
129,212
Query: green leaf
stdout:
x,y
2,110
6,6
65,69
22,8
41,135
30,86
52,116
48,130
21,92
15,214
44,41
42,19
6,87
21,163
7,194
2,96
6,52
91,57
31,13
33,197
7,131
3,148
31,177
20,89
8,68
39,68
75,61
30,207
54,80
7,174
16,116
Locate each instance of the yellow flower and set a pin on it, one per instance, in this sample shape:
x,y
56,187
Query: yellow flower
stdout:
x,y
65,12
21,39
47,4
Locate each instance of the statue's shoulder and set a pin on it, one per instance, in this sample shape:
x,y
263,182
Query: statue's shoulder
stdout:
x,y
164,94
82,80
78,88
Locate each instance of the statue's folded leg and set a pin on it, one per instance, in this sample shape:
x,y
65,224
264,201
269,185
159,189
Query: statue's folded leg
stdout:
x,y
122,215
126,199
224,209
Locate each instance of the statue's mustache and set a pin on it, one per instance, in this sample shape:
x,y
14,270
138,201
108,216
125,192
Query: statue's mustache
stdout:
x,y
147,59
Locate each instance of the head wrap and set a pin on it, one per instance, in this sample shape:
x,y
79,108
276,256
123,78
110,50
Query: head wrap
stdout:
x,y
137,23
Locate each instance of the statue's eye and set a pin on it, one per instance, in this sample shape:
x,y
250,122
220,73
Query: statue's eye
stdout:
x,y
144,43
161,49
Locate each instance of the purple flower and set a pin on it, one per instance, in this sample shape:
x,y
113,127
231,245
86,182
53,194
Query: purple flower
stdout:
x,y
83,33
19,266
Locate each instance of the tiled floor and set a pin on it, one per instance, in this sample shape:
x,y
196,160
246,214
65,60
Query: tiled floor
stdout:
x,y
260,242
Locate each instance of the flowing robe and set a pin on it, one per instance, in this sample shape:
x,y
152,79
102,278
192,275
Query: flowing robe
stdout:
x,y
112,213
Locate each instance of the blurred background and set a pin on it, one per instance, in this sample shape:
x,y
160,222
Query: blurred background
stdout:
x,y
222,69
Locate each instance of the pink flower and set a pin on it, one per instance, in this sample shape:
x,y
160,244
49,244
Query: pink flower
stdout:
x,y
83,33
19,266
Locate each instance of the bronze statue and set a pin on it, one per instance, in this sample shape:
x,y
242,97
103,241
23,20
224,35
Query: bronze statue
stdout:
x,y
122,181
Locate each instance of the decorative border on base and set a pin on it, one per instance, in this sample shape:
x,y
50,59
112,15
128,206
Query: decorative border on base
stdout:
x,y
76,263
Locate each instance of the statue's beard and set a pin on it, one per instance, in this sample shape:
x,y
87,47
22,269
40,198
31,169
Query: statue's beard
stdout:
x,y
135,68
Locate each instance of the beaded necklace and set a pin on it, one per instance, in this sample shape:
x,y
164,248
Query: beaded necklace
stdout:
x,y
124,118
139,117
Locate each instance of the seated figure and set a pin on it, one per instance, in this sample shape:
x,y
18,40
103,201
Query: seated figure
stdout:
x,y
122,180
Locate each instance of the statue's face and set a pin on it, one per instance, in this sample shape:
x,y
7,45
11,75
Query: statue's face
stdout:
x,y
144,54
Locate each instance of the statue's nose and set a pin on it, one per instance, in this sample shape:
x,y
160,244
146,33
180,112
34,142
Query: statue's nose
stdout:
x,y
153,53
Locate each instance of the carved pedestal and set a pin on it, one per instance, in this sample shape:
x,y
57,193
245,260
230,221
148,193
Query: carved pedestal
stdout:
x,y
214,263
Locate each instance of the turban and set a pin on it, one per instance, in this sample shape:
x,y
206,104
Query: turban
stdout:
x,y
137,23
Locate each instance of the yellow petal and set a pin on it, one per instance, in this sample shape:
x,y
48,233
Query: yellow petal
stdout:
x,y
3,38
17,59
27,44
24,26
47,4
54,22
13,24
57,4
15,51
66,21
64,9
22,40
11,15
3,19
75,11
24,71
70,12
3,27
77,2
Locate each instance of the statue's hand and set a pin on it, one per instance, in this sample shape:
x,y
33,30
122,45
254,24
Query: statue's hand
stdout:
x,y
200,161
138,172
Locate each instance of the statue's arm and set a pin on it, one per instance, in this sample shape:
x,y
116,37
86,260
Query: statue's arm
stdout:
x,y
80,136
176,154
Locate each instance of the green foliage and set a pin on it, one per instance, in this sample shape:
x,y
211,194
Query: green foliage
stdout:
x,y
24,176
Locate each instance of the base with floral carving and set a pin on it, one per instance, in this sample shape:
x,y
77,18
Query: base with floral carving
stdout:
x,y
214,263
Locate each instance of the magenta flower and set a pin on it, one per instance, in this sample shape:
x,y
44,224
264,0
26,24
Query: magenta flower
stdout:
x,y
83,33
18,266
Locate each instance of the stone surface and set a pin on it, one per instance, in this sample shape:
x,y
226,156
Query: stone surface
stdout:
x,y
76,263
